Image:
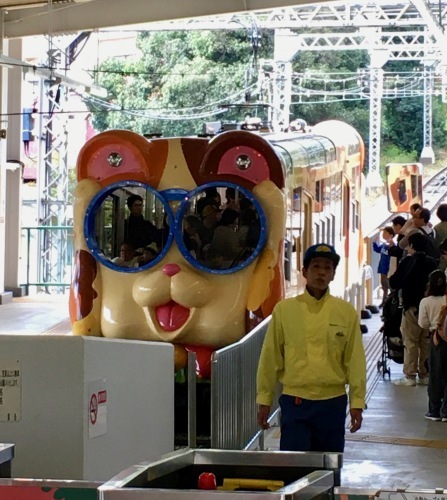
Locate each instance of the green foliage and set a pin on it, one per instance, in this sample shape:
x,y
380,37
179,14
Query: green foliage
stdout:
x,y
394,154
191,70
356,113
403,124
176,71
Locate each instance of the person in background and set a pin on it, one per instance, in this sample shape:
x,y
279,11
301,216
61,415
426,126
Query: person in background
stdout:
x,y
395,252
409,224
421,225
230,200
441,227
429,313
314,347
138,231
212,197
411,278
443,259
384,262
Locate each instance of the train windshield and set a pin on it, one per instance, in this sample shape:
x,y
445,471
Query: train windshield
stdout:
x,y
218,227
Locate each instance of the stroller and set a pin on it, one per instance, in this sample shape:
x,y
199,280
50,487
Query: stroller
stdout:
x,y
392,344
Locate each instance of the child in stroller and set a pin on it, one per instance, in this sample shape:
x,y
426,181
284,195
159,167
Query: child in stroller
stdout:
x,y
392,344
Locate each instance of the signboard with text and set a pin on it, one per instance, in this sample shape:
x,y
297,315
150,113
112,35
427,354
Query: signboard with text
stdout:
x,y
10,390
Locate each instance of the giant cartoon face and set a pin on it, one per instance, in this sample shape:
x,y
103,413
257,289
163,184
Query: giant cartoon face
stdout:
x,y
206,295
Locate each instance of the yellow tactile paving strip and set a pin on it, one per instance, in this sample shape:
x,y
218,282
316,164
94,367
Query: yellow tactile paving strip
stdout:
x,y
424,443
398,441
62,328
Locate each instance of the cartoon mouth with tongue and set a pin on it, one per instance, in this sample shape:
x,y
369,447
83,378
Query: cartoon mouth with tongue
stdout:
x,y
171,316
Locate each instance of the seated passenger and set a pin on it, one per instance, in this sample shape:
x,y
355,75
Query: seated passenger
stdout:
x,y
225,240
191,238
145,255
127,256
210,217
249,232
212,197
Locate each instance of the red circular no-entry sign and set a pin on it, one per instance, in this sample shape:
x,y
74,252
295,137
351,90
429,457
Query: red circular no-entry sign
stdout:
x,y
93,409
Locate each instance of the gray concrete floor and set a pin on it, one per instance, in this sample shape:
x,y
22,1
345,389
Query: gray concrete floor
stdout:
x,y
33,315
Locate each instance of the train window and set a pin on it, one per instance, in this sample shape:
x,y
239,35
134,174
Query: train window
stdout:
x,y
414,185
329,231
323,230
291,153
355,215
318,191
354,147
328,147
333,226
297,199
130,226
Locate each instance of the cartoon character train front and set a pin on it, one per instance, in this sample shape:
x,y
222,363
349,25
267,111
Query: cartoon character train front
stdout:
x,y
177,240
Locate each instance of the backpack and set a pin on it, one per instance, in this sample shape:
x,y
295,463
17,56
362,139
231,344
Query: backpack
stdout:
x,y
431,248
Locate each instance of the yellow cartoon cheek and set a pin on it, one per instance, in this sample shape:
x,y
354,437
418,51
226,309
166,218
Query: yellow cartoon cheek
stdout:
x,y
259,288
89,326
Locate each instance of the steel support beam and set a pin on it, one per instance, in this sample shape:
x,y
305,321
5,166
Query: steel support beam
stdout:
x,y
427,154
378,59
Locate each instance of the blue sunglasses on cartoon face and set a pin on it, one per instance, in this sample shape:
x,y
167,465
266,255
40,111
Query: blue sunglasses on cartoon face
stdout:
x,y
218,227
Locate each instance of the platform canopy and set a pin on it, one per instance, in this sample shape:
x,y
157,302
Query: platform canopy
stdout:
x,y
34,17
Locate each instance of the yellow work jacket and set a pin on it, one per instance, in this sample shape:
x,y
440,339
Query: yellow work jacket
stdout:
x,y
314,348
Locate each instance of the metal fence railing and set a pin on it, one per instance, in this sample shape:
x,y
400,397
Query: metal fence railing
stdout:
x,y
233,391
46,257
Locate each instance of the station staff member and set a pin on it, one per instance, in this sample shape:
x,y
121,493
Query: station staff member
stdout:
x,y
314,347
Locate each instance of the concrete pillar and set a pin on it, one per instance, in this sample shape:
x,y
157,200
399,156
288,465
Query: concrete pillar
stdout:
x,y
5,296
14,175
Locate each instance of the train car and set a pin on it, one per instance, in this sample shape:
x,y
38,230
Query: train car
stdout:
x,y
403,186
324,189
174,280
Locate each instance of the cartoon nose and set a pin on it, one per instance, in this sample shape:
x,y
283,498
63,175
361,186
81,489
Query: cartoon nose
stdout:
x,y
171,269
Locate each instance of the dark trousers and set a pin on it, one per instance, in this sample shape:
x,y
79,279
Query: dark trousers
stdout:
x,y
437,381
313,425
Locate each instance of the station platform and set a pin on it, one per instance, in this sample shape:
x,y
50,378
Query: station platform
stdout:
x,y
397,448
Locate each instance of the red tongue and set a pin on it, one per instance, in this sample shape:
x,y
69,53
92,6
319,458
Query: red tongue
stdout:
x,y
171,316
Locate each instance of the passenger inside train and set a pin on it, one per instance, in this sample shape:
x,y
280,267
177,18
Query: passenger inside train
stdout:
x,y
215,238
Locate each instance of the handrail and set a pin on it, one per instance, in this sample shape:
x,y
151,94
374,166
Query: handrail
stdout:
x,y
233,390
48,262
